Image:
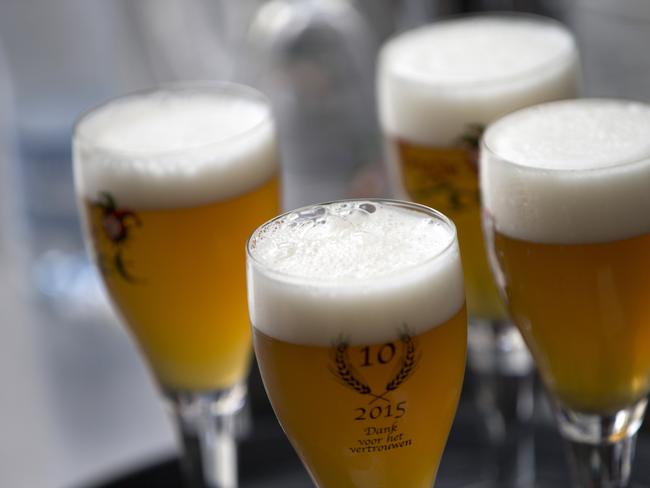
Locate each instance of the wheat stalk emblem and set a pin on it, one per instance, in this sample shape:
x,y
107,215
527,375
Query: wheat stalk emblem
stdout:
x,y
349,377
346,373
406,367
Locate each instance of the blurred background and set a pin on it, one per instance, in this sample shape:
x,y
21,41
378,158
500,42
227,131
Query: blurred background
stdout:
x,y
77,406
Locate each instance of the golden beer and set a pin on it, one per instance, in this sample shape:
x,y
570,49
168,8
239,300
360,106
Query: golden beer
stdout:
x,y
344,408
447,179
438,86
584,311
171,183
568,228
360,332
185,296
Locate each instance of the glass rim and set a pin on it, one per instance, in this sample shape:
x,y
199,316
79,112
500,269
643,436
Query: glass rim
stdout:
x,y
571,56
485,146
208,86
300,279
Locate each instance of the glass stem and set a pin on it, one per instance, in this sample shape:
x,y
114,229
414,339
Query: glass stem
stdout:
x,y
603,466
496,347
602,446
208,427
504,394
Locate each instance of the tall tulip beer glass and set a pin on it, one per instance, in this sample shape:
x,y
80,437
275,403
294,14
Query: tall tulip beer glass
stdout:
x,y
567,218
359,328
171,182
438,87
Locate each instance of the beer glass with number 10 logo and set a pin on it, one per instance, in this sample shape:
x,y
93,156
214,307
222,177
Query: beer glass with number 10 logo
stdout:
x,y
359,328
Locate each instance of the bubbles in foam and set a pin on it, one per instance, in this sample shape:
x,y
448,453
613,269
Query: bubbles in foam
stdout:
x,y
576,171
575,135
478,49
435,80
362,268
348,241
162,121
179,146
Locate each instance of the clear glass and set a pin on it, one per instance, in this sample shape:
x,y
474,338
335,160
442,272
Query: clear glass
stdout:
x,y
432,127
170,252
363,379
442,171
580,305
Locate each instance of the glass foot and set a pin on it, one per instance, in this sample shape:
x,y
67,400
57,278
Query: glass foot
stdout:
x,y
209,424
602,446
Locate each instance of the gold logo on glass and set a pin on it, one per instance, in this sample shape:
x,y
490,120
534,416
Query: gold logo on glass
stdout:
x,y
348,363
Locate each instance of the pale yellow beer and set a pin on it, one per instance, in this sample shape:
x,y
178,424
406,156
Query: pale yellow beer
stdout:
x,y
338,430
360,333
172,182
447,178
438,87
586,316
568,219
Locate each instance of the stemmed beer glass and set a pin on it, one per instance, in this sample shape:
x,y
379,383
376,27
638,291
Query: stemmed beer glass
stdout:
x,y
438,86
359,327
567,222
170,184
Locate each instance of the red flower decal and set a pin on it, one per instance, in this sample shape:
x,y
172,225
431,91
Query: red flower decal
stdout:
x,y
116,224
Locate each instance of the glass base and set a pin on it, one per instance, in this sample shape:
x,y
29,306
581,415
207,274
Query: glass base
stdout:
x,y
193,405
602,446
209,424
601,429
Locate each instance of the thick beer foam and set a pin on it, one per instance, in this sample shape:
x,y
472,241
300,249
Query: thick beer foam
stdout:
x,y
359,270
575,171
175,147
436,80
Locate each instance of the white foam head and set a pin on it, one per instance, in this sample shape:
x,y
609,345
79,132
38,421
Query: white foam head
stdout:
x,y
575,171
357,269
436,80
178,146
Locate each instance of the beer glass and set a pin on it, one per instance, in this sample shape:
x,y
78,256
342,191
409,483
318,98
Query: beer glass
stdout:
x,y
567,221
359,328
170,183
438,87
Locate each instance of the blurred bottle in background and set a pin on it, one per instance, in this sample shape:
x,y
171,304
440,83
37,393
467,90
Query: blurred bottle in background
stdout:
x,y
315,60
